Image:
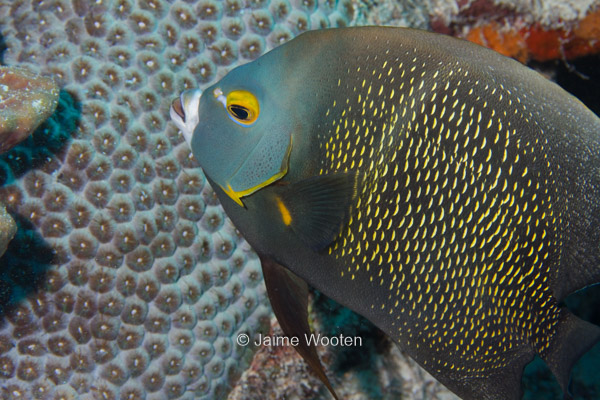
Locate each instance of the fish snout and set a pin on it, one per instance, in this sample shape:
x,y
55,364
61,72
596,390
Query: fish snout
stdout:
x,y
184,112
177,108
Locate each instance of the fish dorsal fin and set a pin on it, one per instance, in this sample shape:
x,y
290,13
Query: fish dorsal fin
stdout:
x,y
289,299
318,207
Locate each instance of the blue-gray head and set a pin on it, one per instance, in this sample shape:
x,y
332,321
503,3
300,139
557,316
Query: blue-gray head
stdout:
x,y
240,130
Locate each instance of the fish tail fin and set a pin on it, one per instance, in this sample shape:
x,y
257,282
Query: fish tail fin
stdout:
x,y
573,338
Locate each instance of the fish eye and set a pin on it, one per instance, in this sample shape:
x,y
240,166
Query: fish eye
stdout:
x,y
239,112
242,107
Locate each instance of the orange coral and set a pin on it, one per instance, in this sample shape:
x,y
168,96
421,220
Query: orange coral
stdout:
x,y
544,45
589,27
507,42
539,43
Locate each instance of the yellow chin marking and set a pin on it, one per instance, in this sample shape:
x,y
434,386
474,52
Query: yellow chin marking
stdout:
x,y
237,195
285,213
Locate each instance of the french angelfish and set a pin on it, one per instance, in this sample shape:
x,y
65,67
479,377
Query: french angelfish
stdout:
x,y
445,192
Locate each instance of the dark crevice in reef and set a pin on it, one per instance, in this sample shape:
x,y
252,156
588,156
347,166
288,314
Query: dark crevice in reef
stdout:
x,y
336,319
3,48
580,77
45,144
24,265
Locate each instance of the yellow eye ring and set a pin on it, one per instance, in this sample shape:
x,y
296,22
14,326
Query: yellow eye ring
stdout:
x,y
242,107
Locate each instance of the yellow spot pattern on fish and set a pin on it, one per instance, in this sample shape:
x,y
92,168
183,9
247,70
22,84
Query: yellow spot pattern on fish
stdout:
x,y
438,221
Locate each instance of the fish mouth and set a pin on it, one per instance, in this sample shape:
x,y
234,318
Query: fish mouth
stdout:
x,y
177,108
184,112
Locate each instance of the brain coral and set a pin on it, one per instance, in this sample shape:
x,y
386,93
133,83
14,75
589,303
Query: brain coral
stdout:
x,y
125,280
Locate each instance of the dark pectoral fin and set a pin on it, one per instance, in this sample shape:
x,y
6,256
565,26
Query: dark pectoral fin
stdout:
x,y
289,299
317,208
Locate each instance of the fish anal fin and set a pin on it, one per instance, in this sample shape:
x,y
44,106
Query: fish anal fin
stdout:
x,y
573,338
288,295
502,384
317,208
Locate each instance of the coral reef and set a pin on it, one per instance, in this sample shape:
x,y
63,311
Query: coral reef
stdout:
x,y
406,13
548,13
26,100
526,30
370,368
539,43
8,228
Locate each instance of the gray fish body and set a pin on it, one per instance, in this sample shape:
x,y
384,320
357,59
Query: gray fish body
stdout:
x,y
477,205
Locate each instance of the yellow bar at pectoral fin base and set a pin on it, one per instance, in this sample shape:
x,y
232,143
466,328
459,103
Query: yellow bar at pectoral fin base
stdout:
x,y
285,213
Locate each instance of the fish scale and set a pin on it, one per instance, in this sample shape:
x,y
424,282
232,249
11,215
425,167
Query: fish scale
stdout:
x,y
467,273
448,194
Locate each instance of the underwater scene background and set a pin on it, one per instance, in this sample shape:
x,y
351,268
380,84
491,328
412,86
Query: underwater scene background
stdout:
x,y
122,277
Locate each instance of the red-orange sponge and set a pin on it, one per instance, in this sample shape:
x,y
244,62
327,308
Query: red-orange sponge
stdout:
x,y
536,42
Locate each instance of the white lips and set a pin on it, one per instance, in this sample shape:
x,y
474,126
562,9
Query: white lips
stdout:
x,y
190,99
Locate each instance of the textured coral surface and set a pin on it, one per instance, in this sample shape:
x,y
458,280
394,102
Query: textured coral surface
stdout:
x,y
548,13
126,280
523,29
536,42
370,367
8,228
